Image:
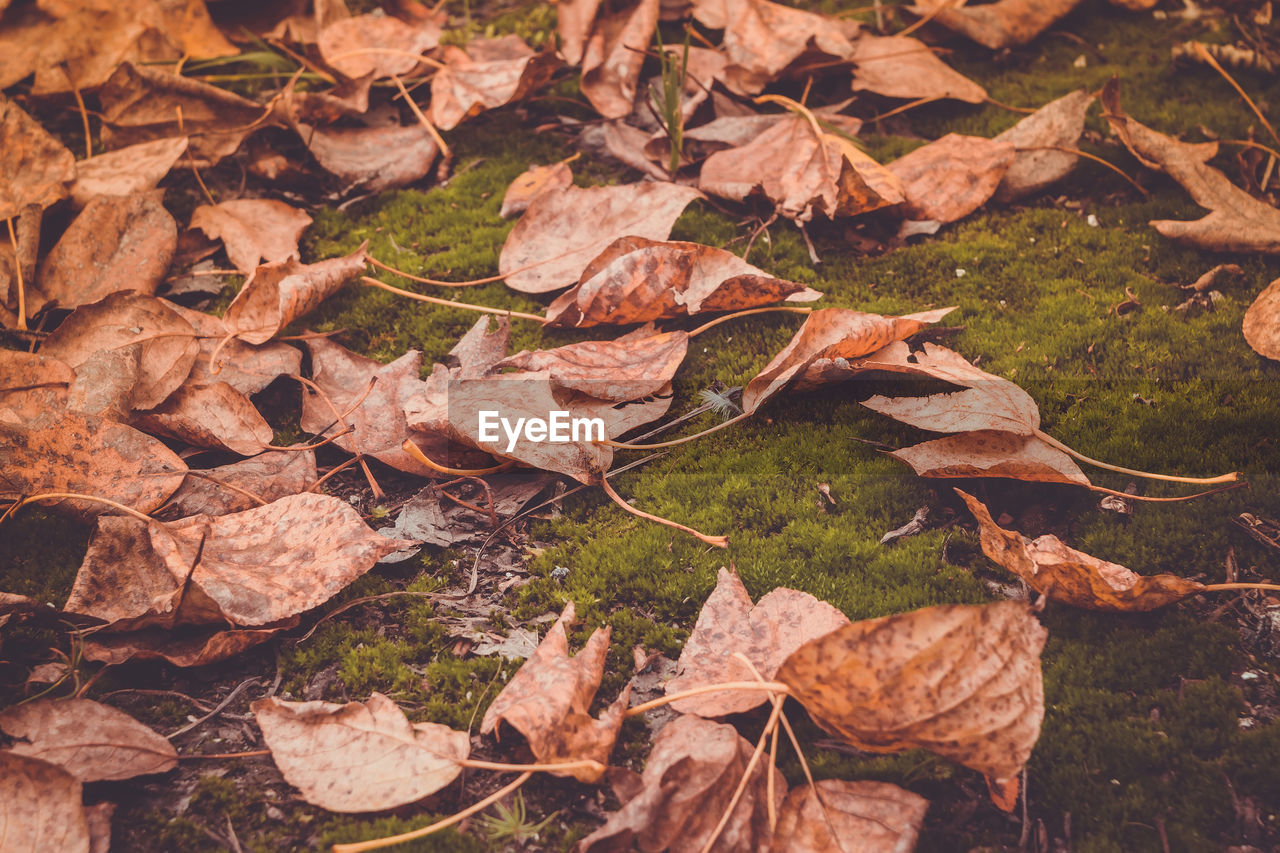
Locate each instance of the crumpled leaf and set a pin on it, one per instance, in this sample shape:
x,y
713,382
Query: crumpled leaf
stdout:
x,y
951,177
1004,23
89,740
361,756
831,333
253,229
532,183
762,38
183,647
128,170
1036,166
987,453
613,57
1073,577
115,244
212,415
31,385
1237,221
767,633
550,233
692,772
71,452
548,699
277,294
636,280
271,476
375,45
372,159
250,568
960,680
904,67
636,365
40,807
851,817
245,367
488,74
36,168
1261,323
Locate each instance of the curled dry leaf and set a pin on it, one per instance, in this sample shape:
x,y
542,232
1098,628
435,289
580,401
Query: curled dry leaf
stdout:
x,y
277,294
1261,323
270,476
550,242
1058,124
184,647
832,333
129,170
372,159
40,807
851,817
212,415
248,568
613,57
375,45
1005,23
1073,577
634,366
533,183
692,772
728,624
36,168
71,452
1237,221
959,680
762,38
488,74
32,385
951,177
986,453
904,67
89,740
114,244
253,229
636,280
361,756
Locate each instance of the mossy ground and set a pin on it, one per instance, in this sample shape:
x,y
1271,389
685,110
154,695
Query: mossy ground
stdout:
x,y
1147,739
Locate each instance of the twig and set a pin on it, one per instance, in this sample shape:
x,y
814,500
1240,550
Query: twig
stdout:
x,y
217,710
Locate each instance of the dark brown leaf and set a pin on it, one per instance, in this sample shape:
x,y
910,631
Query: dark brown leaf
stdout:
x,y
89,740
245,367
31,385
212,415
198,647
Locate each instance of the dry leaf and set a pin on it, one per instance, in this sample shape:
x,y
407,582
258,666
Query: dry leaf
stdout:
x,y
533,183
36,168
89,740
361,756
613,57
903,67
832,333
550,234
40,808
270,476
951,177
1238,222
245,367
986,453
372,159
728,624
115,244
634,366
960,680
98,817
1261,322
129,170
375,44
851,817
1064,574
32,385
211,415
636,280
488,74
574,19
277,294
692,772
199,647
1037,165
70,452
1004,23
762,38
253,229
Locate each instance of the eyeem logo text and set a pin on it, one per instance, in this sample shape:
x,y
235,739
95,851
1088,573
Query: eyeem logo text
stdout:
x,y
559,428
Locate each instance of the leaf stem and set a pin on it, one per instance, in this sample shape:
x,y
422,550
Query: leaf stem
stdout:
x,y
735,315
1234,476
1215,587
608,442
141,516
551,767
416,452
435,300
1176,499
717,541
775,687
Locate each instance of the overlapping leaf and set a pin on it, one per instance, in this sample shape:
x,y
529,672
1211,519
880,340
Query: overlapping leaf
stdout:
x,y
851,817
277,294
89,740
40,807
253,229
904,67
488,74
1004,23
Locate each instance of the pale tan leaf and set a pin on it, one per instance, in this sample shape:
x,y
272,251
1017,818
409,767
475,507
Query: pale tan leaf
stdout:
x,y
637,365
372,159
904,67
375,45
488,74
253,229
89,740
271,476
849,817
211,415
40,808
532,183
1058,124
1004,23
986,453
1262,322
277,294
133,169
36,168
613,57
951,177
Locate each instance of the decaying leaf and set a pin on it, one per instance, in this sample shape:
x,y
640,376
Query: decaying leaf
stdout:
x,y
850,817
372,159
35,167
361,756
904,67
613,56
253,229
485,76
183,647
987,453
129,170
960,680
1064,574
377,45
951,177
31,385
270,476
728,624
245,367
277,294
548,249
762,38
89,740
636,365
40,807
573,21
1004,23
691,774
1058,124
533,183
636,280
1262,322
212,415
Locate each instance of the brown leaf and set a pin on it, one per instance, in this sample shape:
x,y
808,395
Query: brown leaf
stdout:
x,y
277,294
613,57
271,476
636,280
986,453
830,333
98,817
1261,322
253,229
550,234
248,568
245,367
1238,222
31,385
851,817
1004,23
488,74
1036,165
952,177
129,170
1073,577
211,415
781,622
372,159
76,453
533,183
762,38
36,168
199,647
361,756
959,680
375,45
89,740
142,326
574,19
636,365
40,807
904,67
692,772
115,244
